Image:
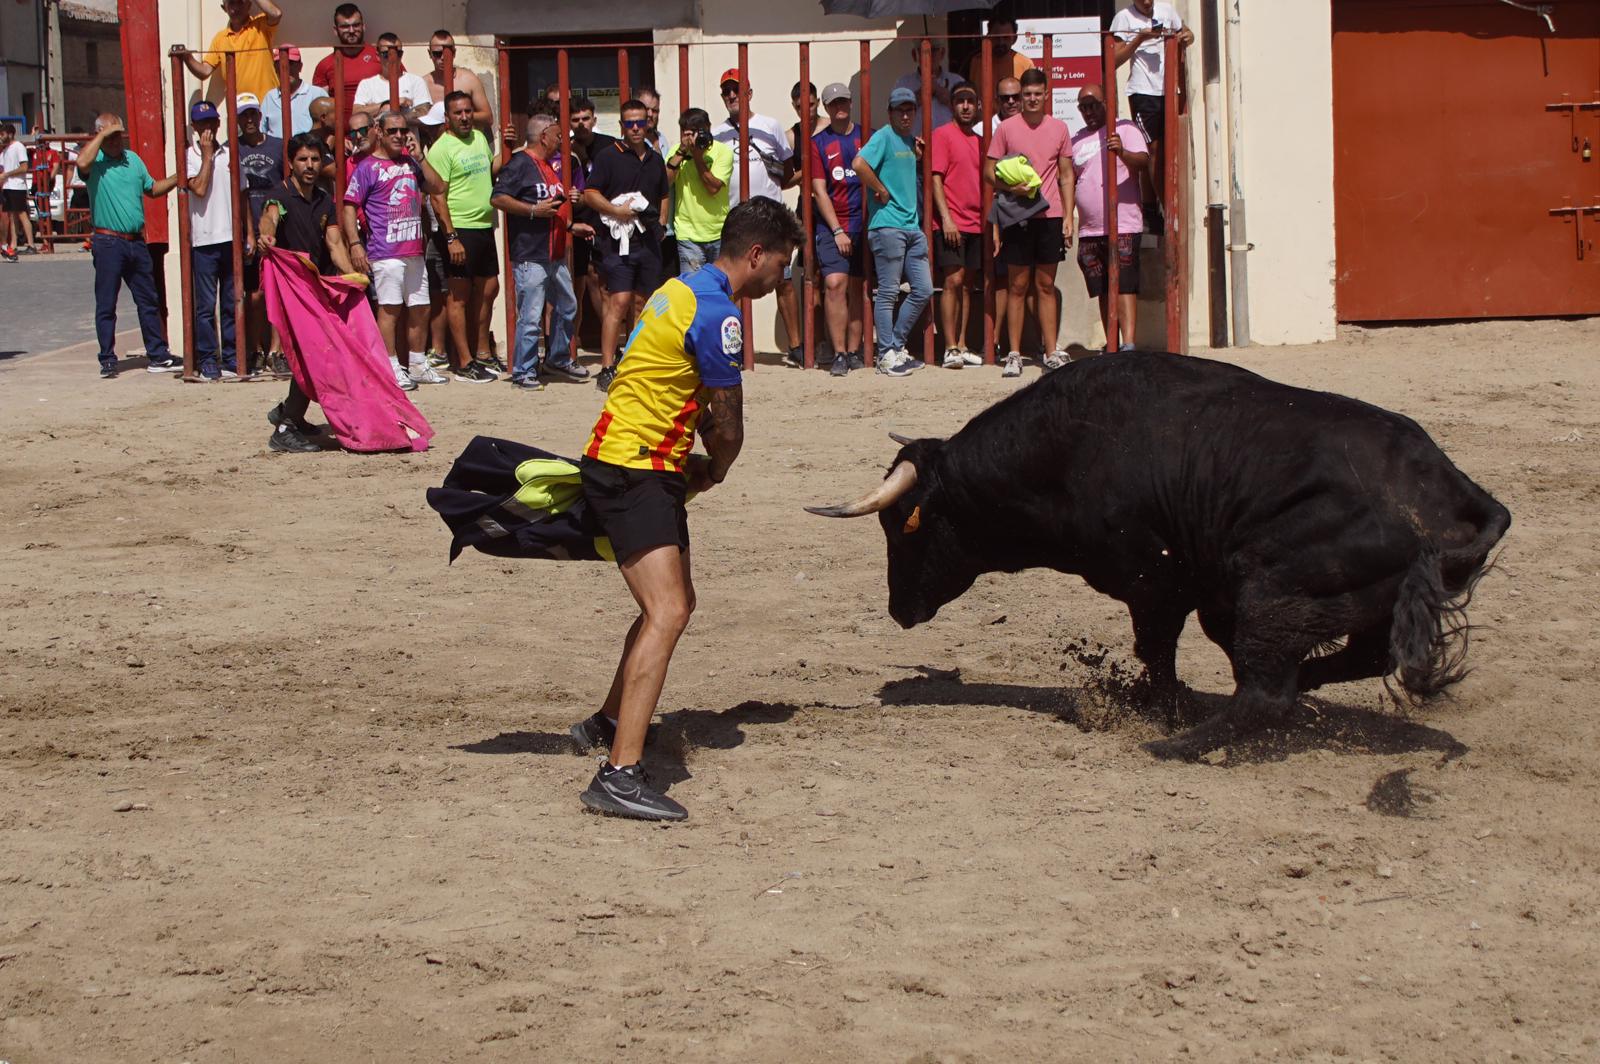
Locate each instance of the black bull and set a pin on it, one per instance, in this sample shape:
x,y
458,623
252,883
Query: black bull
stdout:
x,y
1320,539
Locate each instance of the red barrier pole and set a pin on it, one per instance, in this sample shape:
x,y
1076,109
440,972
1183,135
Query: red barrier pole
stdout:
x,y
569,174
986,194
925,61
807,248
1172,156
868,350
503,68
241,349
286,100
1108,59
180,142
744,185
394,80
450,72
683,78
1047,64
341,123
624,83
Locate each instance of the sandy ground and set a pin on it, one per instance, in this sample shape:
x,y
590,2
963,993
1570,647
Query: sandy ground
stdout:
x,y
358,837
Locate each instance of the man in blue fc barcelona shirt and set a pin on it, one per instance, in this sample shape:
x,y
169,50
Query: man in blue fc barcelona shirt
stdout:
x,y
679,372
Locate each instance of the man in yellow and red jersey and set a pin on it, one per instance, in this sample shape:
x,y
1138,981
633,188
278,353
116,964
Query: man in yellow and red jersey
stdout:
x,y
680,372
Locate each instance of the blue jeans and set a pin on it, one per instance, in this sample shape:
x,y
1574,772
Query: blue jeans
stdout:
x,y
117,261
212,270
692,255
535,282
897,252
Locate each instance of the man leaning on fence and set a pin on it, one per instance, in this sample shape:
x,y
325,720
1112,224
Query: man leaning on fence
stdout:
x,y
888,170
249,38
300,93
213,179
532,192
118,184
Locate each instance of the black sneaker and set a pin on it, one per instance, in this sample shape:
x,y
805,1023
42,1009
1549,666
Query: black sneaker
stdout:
x,y
278,365
301,425
528,384
494,362
627,792
27,249
603,379
840,367
288,439
8,255
108,370
166,365
568,369
855,360
592,733
796,358
476,373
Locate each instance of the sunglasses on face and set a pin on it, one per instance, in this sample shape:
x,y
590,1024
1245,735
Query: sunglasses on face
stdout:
x,y
635,123
356,133
396,131
1010,97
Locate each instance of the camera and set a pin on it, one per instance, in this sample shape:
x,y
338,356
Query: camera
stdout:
x,y
702,140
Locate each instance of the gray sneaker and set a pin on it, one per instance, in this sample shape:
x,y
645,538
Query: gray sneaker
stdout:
x,y
840,367
1013,366
627,792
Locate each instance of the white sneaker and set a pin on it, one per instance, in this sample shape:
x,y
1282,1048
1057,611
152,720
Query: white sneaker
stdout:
x,y
906,357
1013,366
403,379
953,359
1056,359
971,358
895,364
424,373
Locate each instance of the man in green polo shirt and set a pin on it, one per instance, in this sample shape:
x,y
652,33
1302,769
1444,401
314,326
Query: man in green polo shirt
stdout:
x,y
701,169
118,184
467,164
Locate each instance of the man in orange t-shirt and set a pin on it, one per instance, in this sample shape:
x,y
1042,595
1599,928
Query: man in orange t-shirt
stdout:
x,y
1008,63
249,37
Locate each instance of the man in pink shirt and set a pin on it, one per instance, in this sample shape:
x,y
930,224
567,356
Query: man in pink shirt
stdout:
x,y
1087,193
958,247
1035,246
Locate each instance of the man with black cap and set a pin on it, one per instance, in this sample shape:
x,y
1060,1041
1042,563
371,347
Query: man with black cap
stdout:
x,y
212,180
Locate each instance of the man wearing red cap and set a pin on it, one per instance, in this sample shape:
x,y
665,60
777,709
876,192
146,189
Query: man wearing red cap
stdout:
x,y
301,93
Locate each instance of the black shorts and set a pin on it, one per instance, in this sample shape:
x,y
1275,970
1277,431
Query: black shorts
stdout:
x,y
15,200
482,260
1092,260
636,508
582,252
1035,242
967,256
1149,114
637,271
252,274
434,265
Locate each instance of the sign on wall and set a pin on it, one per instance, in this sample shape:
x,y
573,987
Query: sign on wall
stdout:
x,y
1074,58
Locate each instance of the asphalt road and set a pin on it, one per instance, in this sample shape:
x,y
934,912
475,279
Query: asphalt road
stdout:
x,y
47,303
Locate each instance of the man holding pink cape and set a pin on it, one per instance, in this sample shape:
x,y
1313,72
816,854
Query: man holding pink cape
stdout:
x,y
329,334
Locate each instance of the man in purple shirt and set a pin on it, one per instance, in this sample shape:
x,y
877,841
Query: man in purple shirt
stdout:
x,y
387,187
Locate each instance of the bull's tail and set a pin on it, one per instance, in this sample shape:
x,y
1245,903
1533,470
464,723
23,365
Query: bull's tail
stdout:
x,y
1429,635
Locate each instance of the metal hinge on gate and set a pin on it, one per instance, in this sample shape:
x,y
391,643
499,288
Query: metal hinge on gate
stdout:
x,y
1577,214
1572,107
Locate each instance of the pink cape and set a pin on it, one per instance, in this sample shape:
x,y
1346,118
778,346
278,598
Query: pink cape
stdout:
x,y
337,356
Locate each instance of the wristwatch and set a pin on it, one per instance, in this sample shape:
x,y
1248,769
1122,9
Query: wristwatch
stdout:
x,y
451,238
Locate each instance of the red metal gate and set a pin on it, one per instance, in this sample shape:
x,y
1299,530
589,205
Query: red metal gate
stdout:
x,y
1466,159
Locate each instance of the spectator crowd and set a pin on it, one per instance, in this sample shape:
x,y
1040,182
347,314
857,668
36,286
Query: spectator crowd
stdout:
x,y
597,227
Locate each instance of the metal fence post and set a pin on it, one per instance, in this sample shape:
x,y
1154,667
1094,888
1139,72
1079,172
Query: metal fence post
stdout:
x,y
744,185
1173,146
180,141
569,174
503,71
808,307
1108,59
286,101
986,194
925,165
241,204
869,269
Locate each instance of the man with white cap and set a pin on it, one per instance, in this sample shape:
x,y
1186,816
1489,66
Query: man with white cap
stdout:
x,y
840,223
301,93
260,170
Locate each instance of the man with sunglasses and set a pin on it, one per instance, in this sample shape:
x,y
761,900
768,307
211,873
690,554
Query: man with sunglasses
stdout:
x,y
360,58
1087,193
388,185
372,95
629,240
443,44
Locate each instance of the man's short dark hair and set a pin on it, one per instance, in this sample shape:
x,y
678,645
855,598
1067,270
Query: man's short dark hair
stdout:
x,y
794,93
996,23
696,120
388,38
650,90
763,222
543,106
452,97
631,105
301,142
442,33
346,11
580,103
1033,76
8,128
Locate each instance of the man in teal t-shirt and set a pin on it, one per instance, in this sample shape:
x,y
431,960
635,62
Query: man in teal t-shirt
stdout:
x,y
118,184
888,170
467,165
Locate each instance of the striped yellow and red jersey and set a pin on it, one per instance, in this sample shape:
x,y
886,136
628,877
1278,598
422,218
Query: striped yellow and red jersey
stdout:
x,y
688,338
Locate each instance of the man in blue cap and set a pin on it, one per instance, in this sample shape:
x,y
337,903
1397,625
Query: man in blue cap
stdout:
x,y
117,180
888,170
212,180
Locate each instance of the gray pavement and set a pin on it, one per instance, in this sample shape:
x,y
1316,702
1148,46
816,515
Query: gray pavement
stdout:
x,y
47,303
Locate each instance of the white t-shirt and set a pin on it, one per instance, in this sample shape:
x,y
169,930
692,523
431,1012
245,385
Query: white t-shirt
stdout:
x,y
14,156
941,113
1145,73
375,90
211,215
767,138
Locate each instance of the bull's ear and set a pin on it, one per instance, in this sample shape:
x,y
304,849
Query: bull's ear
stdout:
x,y
913,522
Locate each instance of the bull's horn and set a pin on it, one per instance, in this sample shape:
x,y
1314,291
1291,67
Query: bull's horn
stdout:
x,y
899,481
904,441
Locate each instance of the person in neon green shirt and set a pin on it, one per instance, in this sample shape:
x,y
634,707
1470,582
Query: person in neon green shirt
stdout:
x,y
467,165
700,169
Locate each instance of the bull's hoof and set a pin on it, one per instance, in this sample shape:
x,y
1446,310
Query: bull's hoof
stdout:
x,y
1193,744
1175,749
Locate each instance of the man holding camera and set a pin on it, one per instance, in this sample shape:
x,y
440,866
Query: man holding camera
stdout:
x,y
1140,31
701,169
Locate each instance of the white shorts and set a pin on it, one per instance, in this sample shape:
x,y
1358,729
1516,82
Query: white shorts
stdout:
x,y
397,281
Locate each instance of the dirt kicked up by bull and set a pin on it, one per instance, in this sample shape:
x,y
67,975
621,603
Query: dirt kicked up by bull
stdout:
x,y
1320,539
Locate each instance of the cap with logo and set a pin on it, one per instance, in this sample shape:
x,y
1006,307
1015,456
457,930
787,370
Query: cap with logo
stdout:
x,y
835,90
902,96
731,74
288,51
247,101
203,111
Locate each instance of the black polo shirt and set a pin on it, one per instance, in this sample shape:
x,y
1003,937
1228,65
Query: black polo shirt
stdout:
x,y
303,223
617,170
